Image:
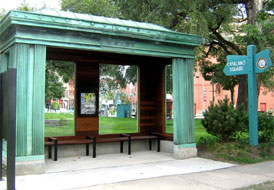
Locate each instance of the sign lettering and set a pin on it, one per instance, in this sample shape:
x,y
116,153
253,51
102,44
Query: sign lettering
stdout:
x,y
236,65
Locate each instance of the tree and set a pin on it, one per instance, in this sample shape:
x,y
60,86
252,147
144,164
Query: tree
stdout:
x,y
227,26
169,85
242,30
54,88
213,73
114,77
57,73
124,98
94,7
2,14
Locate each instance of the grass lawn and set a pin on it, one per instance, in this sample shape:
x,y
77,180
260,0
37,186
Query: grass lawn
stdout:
x,y
269,185
199,129
53,131
111,125
59,115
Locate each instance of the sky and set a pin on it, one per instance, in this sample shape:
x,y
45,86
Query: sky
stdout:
x,y
13,4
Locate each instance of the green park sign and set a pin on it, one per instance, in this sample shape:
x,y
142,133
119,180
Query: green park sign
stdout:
x,y
250,64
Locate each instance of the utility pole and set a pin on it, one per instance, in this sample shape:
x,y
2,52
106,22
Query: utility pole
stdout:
x,y
212,82
203,93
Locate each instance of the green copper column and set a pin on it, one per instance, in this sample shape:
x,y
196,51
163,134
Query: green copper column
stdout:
x,y
183,99
3,63
30,63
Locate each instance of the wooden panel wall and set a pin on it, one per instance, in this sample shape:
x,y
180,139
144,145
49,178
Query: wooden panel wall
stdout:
x,y
152,98
87,74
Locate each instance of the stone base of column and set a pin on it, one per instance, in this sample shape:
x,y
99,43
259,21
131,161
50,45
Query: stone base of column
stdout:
x,y
184,151
26,165
30,167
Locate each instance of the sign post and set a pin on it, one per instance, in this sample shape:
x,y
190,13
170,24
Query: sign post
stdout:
x,y
251,64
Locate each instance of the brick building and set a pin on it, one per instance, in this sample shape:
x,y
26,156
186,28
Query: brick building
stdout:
x,y
203,95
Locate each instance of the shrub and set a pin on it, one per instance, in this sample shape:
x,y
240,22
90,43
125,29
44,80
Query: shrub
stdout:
x,y
55,105
266,149
209,142
266,127
224,121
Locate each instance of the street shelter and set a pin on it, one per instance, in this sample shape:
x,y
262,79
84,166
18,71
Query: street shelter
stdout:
x,y
28,39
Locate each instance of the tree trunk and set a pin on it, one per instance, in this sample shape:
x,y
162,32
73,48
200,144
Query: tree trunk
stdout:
x,y
243,92
259,83
252,7
232,95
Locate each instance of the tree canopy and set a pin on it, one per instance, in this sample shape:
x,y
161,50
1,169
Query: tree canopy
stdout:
x,y
227,27
57,73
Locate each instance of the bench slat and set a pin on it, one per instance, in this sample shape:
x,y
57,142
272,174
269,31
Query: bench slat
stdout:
x,y
143,137
117,139
71,142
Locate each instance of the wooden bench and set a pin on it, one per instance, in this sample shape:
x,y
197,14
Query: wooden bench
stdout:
x,y
128,138
121,139
52,141
150,138
88,140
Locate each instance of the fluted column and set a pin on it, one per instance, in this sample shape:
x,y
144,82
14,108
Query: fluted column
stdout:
x,y
183,99
30,62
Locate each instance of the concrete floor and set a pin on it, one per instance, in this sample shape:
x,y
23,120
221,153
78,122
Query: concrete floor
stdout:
x,y
106,161
118,171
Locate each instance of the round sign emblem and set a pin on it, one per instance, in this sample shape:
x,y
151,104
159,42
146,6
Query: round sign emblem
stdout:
x,y
261,63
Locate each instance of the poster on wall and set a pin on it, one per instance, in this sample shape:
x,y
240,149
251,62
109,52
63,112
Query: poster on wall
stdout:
x,y
88,104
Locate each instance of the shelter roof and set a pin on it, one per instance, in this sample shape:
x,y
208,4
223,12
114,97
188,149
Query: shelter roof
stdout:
x,y
52,20
102,19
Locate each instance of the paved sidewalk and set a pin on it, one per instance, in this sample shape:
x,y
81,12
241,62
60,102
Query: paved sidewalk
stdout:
x,y
228,178
143,170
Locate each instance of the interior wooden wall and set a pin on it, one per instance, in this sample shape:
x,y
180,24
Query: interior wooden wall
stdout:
x,y
152,98
151,85
87,74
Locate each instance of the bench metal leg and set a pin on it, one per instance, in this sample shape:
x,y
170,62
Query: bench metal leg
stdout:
x,y
129,145
87,149
121,146
158,143
150,144
55,150
49,151
94,147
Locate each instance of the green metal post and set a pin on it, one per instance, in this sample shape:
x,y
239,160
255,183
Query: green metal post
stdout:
x,y
252,97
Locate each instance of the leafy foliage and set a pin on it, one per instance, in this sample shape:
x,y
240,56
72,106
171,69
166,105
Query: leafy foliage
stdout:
x,y
94,7
169,85
55,105
124,98
54,72
266,127
114,77
227,123
227,26
2,14
238,151
224,121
